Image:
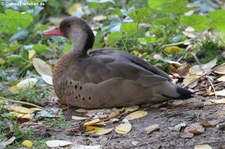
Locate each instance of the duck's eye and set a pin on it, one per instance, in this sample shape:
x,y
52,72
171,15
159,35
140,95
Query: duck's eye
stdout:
x,y
68,25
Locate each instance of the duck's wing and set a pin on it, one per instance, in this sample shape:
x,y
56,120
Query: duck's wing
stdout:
x,y
107,63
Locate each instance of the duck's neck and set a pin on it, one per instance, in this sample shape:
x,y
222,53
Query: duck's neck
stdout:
x,y
85,42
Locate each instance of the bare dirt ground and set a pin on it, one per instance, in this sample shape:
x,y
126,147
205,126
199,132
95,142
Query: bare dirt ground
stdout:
x,y
196,110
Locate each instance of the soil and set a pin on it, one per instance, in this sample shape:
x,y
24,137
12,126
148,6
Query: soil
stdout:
x,y
167,115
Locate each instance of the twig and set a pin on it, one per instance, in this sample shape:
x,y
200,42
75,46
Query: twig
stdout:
x,y
215,85
19,102
213,88
204,74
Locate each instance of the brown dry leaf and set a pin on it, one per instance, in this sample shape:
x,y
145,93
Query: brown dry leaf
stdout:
x,y
205,124
197,70
58,143
20,110
98,130
92,122
130,109
220,69
221,79
78,118
220,93
152,128
123,128
218,100
195,129
203,146
136,115
190,78
44,69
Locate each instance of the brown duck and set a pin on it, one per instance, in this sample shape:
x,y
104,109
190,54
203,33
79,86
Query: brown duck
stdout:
x,y
106,77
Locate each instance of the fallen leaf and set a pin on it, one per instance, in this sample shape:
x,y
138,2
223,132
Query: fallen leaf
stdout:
x,y
190,78
3,144
98,130
86,147
218,100
203,146
173,50
221,79
27,83
131,109
123,128
78,118
31,54
81,110
92,122
136,115
58,143
152,128
220,69
27,143
220,93
205,124
23,116
19,109
195,129
44,69
199,70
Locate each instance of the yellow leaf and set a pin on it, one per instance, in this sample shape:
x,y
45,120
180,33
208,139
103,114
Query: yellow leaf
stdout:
x,y
2,61
27,143
123,128
173,50
35,109
18,115
58,143
31,53
14,89
21,110
74,8
203,146
136,115
92,122
78,118
98,130
131,109
44,69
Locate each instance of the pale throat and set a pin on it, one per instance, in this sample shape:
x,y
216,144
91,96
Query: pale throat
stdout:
x,y
78,39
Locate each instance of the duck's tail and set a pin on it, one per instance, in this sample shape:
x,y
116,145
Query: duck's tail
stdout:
x,y
184,93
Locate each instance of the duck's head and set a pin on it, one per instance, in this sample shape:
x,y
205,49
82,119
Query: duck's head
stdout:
x,y
76,30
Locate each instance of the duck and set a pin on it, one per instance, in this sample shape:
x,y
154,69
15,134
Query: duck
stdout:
x,y
106,77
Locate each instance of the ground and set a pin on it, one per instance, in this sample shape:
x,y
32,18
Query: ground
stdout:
x,y
198,110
